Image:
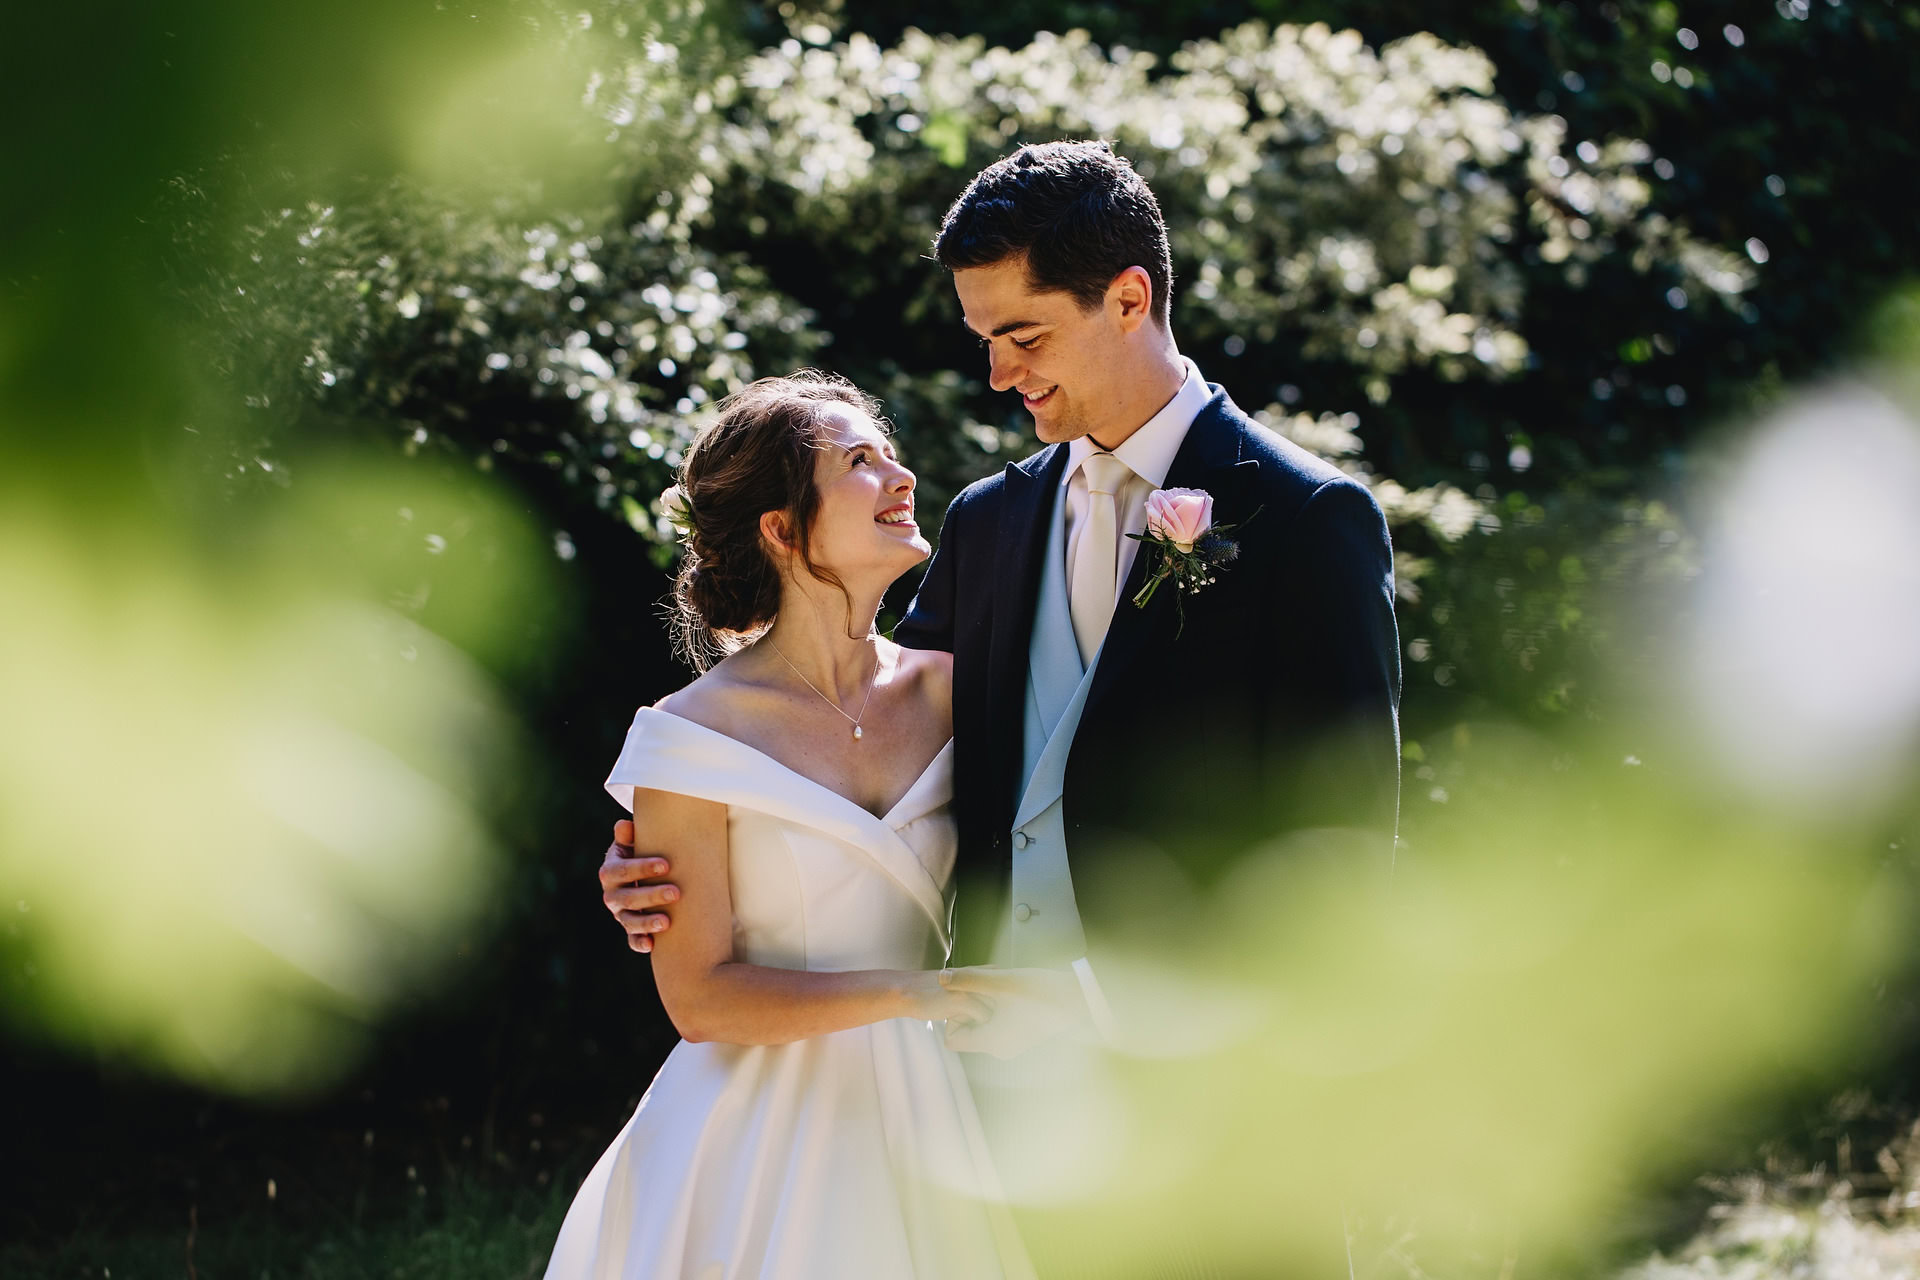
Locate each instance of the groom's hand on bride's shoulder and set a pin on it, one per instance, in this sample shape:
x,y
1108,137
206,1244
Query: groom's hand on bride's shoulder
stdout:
x,y
635,889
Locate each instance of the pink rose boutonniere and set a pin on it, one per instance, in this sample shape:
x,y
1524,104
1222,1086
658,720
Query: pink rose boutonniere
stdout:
x,y
1185,543
1181,516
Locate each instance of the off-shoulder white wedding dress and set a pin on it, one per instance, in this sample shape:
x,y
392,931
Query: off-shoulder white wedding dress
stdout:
x,y
852,1155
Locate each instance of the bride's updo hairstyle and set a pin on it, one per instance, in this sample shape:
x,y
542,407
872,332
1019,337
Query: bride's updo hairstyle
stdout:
x,y
756,457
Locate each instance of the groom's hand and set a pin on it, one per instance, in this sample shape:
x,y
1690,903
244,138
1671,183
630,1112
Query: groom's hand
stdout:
x,y
1054,987
1027,1007
633,889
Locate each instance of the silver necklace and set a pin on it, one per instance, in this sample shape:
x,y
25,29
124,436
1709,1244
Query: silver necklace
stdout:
x,y
871,682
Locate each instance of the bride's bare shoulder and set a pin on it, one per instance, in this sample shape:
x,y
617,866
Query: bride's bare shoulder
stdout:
x,y
932,671
936,664
718,699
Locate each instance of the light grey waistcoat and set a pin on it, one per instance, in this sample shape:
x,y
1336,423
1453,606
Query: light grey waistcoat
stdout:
x,y
1042,926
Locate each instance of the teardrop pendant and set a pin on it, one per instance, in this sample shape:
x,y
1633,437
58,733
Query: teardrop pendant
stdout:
x,y
856,733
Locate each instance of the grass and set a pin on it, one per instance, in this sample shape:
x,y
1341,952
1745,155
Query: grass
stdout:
x,y
472,1228
413,1209
1788,1229
1852,1219
1770,1236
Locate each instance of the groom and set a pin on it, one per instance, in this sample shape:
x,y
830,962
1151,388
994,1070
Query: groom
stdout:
x,y
1091,729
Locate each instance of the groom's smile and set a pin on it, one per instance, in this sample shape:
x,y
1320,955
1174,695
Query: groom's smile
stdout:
x,y
1038,343
1075,367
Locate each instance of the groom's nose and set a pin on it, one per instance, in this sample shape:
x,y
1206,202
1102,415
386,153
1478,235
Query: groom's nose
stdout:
x,y
1003,371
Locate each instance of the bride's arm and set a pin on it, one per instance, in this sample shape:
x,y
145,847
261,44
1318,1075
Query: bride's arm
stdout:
x,y
710,996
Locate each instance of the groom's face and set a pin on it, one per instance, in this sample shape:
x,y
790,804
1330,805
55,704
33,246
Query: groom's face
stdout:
x,y
1042,345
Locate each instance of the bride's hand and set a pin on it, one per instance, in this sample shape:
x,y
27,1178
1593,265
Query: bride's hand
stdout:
x,y
1057,989
1028,1008
929,999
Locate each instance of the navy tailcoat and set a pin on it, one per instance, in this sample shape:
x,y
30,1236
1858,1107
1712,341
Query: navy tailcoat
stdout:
x,y
1272,708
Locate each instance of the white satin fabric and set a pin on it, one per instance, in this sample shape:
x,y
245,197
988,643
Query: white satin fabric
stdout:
x,y
853,1154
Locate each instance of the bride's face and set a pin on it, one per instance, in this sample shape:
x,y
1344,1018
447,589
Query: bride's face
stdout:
x,y
864,528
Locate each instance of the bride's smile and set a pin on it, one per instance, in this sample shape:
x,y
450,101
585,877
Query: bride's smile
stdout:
x,y
865,525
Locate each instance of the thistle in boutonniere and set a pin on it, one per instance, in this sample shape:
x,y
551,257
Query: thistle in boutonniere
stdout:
x,y
1187,546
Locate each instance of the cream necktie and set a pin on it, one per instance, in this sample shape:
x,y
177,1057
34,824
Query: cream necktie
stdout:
x,y
1091,587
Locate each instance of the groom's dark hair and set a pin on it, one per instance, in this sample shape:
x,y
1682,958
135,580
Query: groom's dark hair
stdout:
x,y
1078,213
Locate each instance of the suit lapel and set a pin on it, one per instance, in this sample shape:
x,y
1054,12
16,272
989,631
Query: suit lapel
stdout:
x,y
1030,490
1209,459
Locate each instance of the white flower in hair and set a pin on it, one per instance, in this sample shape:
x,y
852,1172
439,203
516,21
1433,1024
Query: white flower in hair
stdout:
x,y
678,508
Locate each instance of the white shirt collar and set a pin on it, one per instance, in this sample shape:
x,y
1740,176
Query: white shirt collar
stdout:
x,y
1149,452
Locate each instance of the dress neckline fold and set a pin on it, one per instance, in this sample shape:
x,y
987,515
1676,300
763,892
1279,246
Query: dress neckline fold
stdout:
x,y
916,794
667,752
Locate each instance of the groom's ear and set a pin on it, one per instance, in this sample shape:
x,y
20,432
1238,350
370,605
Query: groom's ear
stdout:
x,y
1130,298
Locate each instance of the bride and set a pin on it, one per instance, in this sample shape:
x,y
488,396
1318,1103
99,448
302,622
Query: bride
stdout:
x,y
812,1123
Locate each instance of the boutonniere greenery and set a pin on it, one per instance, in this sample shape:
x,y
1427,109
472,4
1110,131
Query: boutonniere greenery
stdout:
x,y
1188,548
